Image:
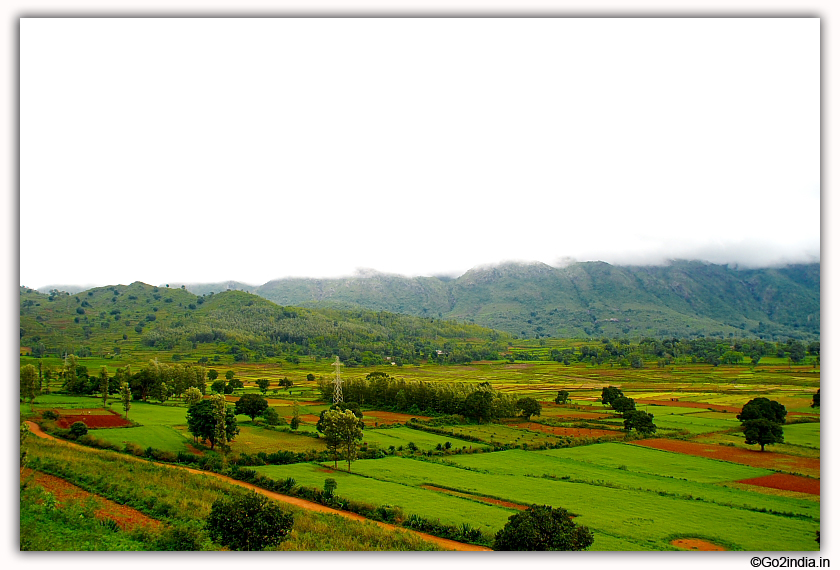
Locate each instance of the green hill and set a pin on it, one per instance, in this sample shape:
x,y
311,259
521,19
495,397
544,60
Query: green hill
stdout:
x,y
684,299
136,319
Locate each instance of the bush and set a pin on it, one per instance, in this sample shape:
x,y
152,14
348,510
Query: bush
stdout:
x,y
49,415
248,522
542,528
78,429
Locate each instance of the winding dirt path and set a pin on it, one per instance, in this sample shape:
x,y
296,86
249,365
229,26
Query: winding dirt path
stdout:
x,y
302,503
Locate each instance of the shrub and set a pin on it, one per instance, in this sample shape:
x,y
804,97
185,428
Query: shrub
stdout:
x,y
542,528
248,522
49,415
78,429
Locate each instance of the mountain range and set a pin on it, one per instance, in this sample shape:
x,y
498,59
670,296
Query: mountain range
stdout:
x,y
589,299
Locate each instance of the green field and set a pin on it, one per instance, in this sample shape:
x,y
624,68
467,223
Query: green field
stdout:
x,y
658,508
806,435
400,437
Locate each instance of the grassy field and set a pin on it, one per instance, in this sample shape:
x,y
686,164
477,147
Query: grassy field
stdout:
x,y
657,508
632,497
179,500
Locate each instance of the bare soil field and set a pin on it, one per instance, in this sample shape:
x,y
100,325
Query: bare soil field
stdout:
x,y
696,544
388,418
94,418
786,482
754,458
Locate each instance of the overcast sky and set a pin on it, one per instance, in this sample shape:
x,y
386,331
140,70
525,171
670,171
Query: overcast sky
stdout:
x,y
206,150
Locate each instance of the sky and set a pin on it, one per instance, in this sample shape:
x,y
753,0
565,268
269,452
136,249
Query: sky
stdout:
x,y
202,150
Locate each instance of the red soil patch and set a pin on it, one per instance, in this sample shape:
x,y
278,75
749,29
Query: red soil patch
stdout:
x,y
489,500
388,418
696,544
109,419
579,415
751,457
569,432
786,483
309,418
64,491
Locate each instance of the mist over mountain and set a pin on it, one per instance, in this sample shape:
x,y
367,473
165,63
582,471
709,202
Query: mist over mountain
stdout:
x,y
579,299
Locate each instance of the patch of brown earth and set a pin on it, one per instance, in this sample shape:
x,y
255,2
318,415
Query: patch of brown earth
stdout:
x,y
309,418
569,432
696,544
126,517
388,418
489,500
99,420
752,457
786,482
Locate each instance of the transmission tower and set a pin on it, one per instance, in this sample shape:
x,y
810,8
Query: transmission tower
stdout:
x,y
338,397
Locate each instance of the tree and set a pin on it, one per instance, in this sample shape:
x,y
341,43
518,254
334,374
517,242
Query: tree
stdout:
x,y
622,404
295,422
310,377
528,407
212,374
815,400
125,396
641,421
609,394
763,408
251,405
543,528
248,522
761,421
218,386
192,396
562,397
28,383
263,384
342,429
229,375
103,385
201,421
763,432
478,405
271,416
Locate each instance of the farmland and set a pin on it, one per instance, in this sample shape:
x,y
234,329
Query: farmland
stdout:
x,y
673,491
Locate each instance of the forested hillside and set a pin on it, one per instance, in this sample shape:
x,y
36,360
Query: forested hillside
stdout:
x,y
592,299
138,318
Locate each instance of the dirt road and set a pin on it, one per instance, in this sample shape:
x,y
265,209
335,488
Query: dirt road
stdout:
x,y
302,503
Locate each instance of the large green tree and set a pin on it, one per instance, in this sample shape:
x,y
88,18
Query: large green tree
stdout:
x,y
762,432
761,421
251,405
201,422
528,407
28,383
343,431
543,528
623,405
610,393
641,421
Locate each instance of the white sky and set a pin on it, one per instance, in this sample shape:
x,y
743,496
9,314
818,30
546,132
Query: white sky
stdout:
x,y
196,150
